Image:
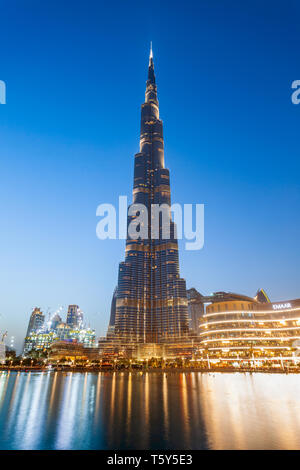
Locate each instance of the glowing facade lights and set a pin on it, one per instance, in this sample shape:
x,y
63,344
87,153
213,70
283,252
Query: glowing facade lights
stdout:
x,y
262,327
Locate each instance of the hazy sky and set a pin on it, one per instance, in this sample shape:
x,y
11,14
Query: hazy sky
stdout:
x,y
75,73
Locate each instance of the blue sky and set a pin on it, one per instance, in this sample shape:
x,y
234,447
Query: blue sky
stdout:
x,y
75,74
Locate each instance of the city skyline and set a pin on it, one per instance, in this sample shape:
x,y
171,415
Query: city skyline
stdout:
x,y
224,105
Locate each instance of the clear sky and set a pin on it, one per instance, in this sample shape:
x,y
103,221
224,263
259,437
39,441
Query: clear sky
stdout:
x,y
75,73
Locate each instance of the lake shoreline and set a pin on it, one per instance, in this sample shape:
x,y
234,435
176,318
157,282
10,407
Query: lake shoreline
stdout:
x,y
178,370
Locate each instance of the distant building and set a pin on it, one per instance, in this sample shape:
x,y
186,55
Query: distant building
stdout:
x,y
39,341
238,327
195,310
41,336
55,321
36,321
262,297
2,348
74,317
71,351
111,326
2,352
43,340
151,300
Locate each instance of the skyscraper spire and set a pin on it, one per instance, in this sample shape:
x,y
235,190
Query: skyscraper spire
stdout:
x,y
151,303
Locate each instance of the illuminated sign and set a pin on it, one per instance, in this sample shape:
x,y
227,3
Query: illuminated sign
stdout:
x,y
281,306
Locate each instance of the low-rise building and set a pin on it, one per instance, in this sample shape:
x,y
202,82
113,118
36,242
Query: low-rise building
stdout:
x,y
72,351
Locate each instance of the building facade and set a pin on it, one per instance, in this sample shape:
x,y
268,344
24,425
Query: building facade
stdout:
x,y
74,317
151,301
43,340
2,352
195,310
73,330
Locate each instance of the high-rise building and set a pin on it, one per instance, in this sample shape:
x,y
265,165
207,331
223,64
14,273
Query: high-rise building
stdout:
x,y
74,316
36,321
40,336
151,300
112,319
195,310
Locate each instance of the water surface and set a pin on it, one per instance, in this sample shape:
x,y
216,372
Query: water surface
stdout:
x,y
193,410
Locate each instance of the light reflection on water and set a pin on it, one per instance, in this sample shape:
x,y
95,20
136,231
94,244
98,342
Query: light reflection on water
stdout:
x,y
55,410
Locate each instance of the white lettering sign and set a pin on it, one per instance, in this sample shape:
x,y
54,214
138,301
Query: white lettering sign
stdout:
x,y
281,306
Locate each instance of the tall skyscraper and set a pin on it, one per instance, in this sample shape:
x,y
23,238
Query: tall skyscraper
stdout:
x,y
74,316
151,300
36,321
195,309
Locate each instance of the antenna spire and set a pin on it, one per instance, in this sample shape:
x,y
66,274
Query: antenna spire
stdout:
x,y
151,51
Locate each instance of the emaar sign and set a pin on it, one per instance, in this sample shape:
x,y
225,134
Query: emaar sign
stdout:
x,y
2,92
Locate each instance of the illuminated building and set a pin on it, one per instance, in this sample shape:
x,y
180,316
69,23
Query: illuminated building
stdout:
x,y
36,321
56,330
39,341
55,321
238,327
151,301
261,296
86,336
112,320
195,310
43,340
71,351
2,350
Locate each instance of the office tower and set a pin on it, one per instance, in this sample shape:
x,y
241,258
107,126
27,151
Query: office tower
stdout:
x,y
151,301
195,310
74,316
55,321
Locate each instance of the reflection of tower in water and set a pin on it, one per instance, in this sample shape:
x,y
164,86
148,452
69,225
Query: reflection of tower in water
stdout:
x,y
150,303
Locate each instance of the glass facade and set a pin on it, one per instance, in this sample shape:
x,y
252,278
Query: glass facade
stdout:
x,y
36,321
252,329
150,300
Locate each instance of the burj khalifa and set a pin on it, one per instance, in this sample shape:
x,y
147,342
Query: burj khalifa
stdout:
x,y
150,301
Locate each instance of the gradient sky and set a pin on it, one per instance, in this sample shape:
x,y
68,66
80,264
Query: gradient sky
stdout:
x,y
75,73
